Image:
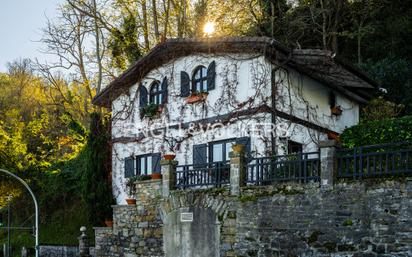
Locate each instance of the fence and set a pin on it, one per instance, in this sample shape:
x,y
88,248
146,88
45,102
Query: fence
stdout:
x,y
203,175
300,167
391,159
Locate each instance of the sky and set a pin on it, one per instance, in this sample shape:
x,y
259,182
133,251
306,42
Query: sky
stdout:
x,y
20,24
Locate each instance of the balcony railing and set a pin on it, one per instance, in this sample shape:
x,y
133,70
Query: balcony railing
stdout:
x,y
213,174
392,159
300,167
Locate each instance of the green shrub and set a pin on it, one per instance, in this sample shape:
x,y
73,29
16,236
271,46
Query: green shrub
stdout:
x,y
378,132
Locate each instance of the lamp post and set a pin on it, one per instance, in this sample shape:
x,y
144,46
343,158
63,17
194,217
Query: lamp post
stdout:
x,y
36,207
8,225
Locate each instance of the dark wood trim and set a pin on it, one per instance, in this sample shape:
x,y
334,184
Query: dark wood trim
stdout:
x,y
228,118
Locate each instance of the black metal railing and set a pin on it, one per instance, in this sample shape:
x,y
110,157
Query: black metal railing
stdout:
x,y
214,174
391,159
300,167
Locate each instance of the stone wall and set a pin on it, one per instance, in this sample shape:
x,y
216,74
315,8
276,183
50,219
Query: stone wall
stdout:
x,y
369,218
137,229
362,218
60,251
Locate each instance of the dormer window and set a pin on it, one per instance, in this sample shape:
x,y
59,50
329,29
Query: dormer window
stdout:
x,y
156,93
199,80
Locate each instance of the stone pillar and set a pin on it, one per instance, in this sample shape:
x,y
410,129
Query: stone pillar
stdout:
x,y
168,176
24,252
83,243
328,163
237,171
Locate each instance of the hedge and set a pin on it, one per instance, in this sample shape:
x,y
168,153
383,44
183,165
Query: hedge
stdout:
x,y
378,132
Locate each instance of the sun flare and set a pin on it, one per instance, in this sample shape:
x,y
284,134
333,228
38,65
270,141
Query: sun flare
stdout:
x,y
209,28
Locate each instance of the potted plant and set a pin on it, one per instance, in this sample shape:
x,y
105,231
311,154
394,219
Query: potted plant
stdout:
x,y
336,110
169,156
197,97
143,177
130,184
156,176
108,223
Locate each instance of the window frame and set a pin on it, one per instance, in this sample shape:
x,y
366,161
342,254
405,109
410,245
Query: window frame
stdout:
x,y
203,79
158,95
224,153
138,161
293,144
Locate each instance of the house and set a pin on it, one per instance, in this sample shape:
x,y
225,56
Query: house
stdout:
x,y
198,97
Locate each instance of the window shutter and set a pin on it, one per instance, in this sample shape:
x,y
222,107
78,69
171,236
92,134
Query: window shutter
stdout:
x,y
211,76
156,163
164,90
184,84
244,141
199,154
129,167
142,95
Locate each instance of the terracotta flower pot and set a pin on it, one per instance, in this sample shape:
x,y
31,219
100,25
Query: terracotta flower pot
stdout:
x,y
108,223
170,156
336,110
156,176
131,201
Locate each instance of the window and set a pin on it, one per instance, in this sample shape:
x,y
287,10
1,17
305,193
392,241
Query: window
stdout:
x,y
294,147
148,164
200,79
219,151
156,93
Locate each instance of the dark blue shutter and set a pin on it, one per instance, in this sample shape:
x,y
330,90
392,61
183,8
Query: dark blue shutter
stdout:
x,y
244,141
200,154
211,76
164,91
184,84
129,167
142,95
156,163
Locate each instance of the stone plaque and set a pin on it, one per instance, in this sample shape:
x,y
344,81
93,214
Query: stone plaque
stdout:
x,y
186,217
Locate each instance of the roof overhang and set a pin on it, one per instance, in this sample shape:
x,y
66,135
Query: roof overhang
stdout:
x,y
316,64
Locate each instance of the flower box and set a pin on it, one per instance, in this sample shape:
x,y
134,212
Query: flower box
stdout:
x,y
199,97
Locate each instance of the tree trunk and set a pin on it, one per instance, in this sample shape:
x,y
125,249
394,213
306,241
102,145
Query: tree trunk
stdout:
x,y
155,22
98,56
145,26
166,24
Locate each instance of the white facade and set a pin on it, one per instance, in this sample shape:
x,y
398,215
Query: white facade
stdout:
x,y
243,83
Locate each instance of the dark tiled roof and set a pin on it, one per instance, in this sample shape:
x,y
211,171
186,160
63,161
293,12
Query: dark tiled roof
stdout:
x,y
320,65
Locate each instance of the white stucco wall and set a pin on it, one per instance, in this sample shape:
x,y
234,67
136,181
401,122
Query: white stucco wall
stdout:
x,y
308,99
242,83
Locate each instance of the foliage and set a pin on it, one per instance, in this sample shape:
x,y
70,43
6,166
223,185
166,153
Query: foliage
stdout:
x,y
65,221
378,132
95,180
150,110
379,109
395,75
123,44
